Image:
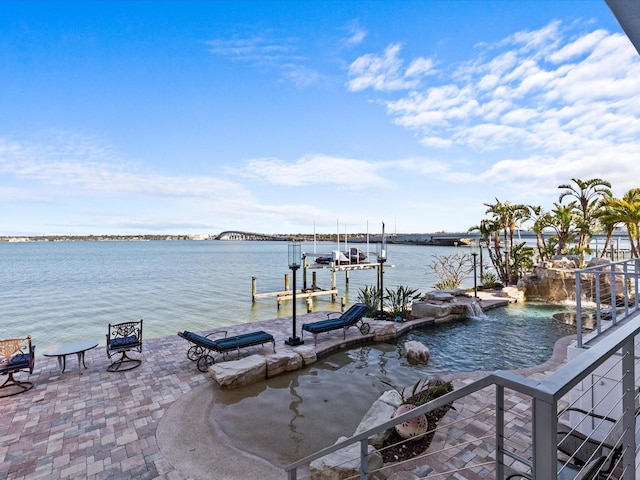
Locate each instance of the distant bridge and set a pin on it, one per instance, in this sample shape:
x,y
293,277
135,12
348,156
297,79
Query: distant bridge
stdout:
x,y
239,236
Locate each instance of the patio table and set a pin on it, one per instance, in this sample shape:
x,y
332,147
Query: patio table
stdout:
x,y
78,348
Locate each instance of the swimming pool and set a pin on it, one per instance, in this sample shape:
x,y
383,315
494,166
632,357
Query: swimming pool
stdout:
x,y
310,408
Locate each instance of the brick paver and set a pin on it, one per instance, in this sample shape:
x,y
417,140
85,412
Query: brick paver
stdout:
x,y
103,425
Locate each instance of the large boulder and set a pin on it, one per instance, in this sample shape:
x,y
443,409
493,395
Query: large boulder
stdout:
x,y
281,362
344,463
381,411
383,330
430,310
239,373
416,352
307,353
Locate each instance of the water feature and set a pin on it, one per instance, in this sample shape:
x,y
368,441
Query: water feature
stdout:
x,y
309,409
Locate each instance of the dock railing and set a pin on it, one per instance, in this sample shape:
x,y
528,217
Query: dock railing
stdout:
x,y
504,423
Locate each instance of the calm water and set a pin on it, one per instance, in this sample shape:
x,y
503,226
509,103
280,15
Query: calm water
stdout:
x,y
66,291
343,386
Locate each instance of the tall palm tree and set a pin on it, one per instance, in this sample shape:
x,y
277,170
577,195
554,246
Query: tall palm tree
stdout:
x,y
588,195
608,220
627,211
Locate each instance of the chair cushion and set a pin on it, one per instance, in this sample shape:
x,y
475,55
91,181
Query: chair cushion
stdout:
x,y
16,361
124,342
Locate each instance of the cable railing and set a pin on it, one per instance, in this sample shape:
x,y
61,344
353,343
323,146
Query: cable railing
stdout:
x,y
505,426
609,290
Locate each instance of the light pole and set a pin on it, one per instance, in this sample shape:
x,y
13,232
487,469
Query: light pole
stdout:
x,y
382,257
475,278
295,256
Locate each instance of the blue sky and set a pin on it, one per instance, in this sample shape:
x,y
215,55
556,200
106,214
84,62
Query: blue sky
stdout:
x,y
197,117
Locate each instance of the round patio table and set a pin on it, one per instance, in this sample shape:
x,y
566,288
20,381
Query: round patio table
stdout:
x,y
61,352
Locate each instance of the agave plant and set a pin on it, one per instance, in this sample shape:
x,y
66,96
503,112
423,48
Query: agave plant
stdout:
x,y
370,296
398,300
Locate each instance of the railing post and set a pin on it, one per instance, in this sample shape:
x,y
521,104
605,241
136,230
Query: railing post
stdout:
x,y
614,307
579,308
364,459
625,276
635,283
598,302
545,453
628,410
292,475
499,432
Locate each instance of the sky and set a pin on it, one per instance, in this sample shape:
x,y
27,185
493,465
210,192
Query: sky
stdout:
x,y
141,117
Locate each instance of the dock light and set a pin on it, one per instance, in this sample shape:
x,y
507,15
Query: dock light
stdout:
x,y
295,260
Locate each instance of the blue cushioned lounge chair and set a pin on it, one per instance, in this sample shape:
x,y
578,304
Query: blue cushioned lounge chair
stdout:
x,y
353,316
203,347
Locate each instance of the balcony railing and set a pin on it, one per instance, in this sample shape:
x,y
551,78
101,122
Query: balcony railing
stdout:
x,y
505,423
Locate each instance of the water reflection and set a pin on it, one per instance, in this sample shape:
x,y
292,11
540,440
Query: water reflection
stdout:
x,y
309,409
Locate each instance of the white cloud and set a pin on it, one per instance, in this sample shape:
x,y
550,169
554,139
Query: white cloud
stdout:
x,y
357,34
387,72
534,90
316,169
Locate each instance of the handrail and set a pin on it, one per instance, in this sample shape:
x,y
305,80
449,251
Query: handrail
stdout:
x,y
545,395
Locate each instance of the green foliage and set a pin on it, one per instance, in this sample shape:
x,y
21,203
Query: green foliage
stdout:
x,y
370,296
397,301
423,391
446,285
489,280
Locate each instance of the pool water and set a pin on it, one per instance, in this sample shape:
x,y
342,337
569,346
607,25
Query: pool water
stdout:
x,y
309,409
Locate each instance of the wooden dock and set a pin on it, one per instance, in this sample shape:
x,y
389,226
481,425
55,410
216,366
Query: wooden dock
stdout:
x,y
314,290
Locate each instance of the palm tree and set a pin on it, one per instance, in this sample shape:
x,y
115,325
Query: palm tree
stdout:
x,y
627,211
561,220
505,219
608,220
588,195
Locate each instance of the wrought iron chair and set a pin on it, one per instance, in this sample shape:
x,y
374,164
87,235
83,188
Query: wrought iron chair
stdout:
x,y
122,338
16,354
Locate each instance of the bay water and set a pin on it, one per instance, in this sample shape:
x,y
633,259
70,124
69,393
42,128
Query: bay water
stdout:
x,y
60,292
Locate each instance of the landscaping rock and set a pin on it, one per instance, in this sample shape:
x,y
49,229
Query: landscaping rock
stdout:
x,y
344,463
381,411
416,352
427,309
308,354
383,330
239,373
281,362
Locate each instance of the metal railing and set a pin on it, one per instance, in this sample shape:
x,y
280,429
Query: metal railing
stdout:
x,y
521,423
612,291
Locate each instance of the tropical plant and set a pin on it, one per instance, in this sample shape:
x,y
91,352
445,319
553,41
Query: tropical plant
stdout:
x,y
489,280
398,301
589,196
498,233
627,211
370,296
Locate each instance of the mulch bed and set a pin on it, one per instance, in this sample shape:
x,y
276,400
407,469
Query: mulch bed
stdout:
x,y
397,449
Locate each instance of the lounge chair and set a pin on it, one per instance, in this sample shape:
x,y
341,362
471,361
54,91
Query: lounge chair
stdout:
x,y
122,338
16,354
353,316
581,448
203,346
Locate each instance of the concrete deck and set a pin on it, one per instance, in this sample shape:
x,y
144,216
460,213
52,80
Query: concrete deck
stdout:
x,y
149,422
